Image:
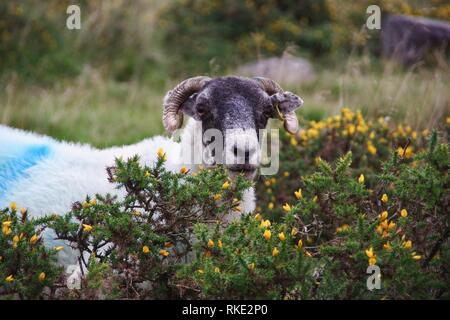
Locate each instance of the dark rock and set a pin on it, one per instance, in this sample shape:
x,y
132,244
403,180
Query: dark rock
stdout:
x,y
410,39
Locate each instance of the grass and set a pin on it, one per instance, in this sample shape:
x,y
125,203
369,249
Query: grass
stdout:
x,y
98,110
89,109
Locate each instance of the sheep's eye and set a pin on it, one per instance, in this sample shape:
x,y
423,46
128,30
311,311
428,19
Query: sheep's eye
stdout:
x,y
268,113
202,109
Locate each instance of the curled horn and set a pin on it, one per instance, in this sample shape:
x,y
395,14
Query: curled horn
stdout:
x,y
172,117
271,87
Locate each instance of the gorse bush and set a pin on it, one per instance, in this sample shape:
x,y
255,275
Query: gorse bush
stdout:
x,y
321,246
370,141
339,205
26,266
148,234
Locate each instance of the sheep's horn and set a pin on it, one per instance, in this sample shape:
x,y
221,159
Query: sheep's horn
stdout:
x,y
172,117
268,85
272,87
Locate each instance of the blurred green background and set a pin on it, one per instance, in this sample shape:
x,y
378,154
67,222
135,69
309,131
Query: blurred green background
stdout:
x,y
104,84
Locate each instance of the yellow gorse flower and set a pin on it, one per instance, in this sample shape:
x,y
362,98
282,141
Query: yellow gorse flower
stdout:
x,y
294,231
6,224
251,266
371,148
342,228
87,227
58,248
293,141
369,252
13,206
184,170
391,226
270,206
210,243
384,198
407,244
93,202
9,278
265,224
85,205
217,270
361,179
15,240
41,277
6,230
300,244
160,152
371,255
267,234
225,185
384,215
219,244
387,246
298,194
287,207
164,253
407,153
145,249
217,197
417,257
34,239
258,217
281,236
404,213
275,252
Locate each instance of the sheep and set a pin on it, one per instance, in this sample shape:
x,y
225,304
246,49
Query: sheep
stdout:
x,y
48,176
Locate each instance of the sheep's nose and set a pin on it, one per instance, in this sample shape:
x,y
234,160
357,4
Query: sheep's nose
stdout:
x,y
241,149
242,153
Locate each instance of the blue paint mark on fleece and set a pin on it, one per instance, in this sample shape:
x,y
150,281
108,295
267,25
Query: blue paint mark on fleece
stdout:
x,y
15,160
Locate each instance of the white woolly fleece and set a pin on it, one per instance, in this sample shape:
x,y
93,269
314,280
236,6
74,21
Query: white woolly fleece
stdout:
x,y
47,176
68,172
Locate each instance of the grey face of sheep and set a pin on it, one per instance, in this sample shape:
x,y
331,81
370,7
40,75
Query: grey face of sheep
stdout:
x,y
238,108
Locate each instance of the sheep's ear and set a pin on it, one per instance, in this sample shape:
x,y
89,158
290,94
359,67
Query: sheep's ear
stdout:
x,y
286,101
188,107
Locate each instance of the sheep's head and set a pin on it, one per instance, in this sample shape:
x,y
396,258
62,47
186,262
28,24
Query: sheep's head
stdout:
x,y
238,108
